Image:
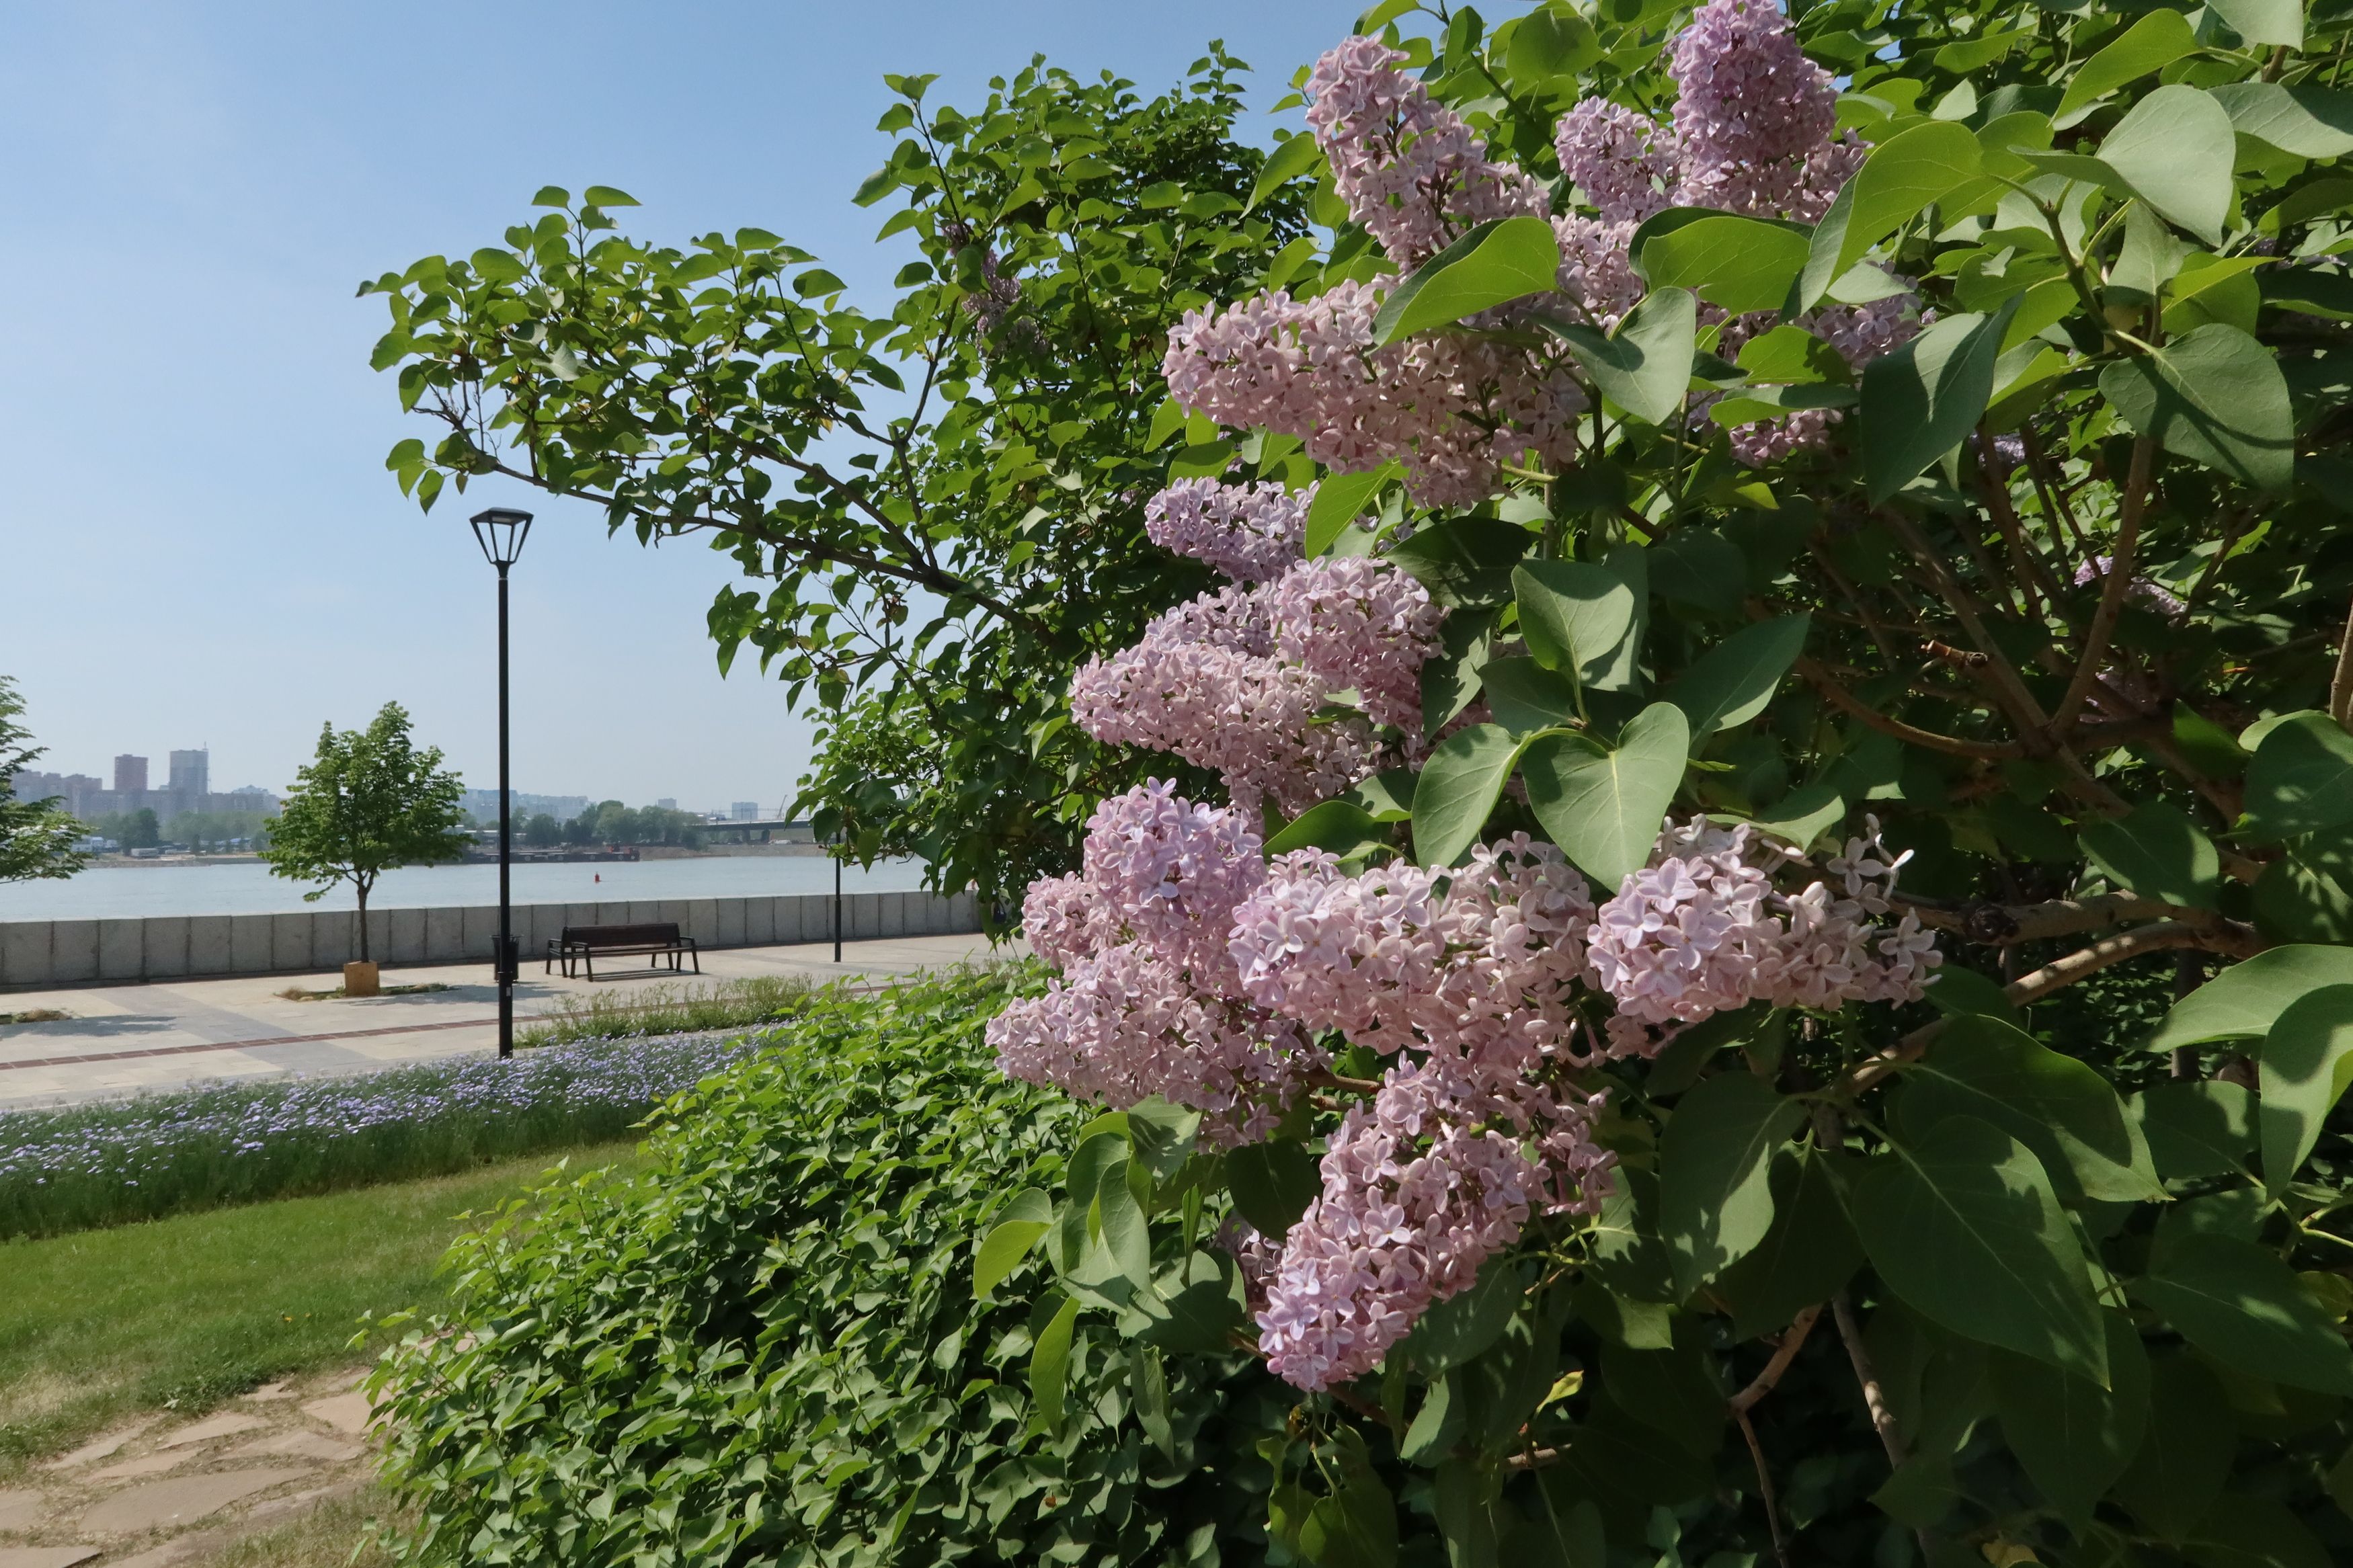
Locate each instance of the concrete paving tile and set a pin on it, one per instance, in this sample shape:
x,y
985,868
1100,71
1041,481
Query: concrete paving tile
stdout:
x,y
19,1511
153,1465
296,1502
298,1445
181,1549
46,1556
180,1500
103,1447
345,1412
268,1391
226,1424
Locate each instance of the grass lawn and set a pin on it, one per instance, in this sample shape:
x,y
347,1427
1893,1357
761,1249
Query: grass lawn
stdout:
x,y
181,1313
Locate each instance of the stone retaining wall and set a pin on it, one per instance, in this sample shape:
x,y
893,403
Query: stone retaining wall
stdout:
x,y
35,954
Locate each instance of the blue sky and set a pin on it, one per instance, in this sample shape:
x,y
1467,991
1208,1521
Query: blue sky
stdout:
x,y
198,542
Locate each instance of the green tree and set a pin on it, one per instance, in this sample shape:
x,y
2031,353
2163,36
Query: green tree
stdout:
x,y
543,832
37,837
367,802
938,509
140,830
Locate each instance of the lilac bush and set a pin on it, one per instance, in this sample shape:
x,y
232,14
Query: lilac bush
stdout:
x,y
1827,538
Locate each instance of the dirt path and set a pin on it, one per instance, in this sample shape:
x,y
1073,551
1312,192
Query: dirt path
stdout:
x,y
162,1490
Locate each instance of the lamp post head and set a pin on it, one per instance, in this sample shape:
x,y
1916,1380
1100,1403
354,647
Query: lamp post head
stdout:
x,y
500,531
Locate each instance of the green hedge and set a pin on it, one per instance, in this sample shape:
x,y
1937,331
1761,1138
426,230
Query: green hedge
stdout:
x,y
766,1348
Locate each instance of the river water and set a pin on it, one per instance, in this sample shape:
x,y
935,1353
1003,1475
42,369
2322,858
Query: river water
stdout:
x,y
247,887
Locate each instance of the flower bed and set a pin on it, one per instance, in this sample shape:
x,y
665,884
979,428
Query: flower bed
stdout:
x,y
140,1159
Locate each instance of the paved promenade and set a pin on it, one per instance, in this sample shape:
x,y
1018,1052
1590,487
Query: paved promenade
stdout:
x,y
125,1039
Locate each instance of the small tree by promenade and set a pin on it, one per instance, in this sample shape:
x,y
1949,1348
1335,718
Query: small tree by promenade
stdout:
x,y
369,800
37,837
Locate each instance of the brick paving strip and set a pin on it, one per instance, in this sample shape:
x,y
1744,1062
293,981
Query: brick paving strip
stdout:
x,y
245,1044
311,1039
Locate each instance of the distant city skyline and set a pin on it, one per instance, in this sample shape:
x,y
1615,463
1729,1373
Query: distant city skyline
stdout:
x,y
190,774
187,788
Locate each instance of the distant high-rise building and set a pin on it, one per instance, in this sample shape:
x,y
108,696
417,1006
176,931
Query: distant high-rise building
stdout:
x,y
130,775
192,773
744,811
668,803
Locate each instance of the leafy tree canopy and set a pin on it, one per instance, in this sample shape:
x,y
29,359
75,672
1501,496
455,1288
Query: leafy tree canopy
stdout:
x,y
937,508
368,801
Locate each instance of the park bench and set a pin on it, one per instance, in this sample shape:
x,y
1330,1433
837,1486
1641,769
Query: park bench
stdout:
x,y
656,939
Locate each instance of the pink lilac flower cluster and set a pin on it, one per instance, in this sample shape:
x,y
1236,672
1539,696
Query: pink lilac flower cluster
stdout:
x,y
1308,368
1416,177
1204,683
1250,533
1752,132
1860,333
1234,681
1701,930
1411,172
1357,623
1420,1188
1126,1025
1174,871
1441,1171
1484,968
1148,1001
1754,116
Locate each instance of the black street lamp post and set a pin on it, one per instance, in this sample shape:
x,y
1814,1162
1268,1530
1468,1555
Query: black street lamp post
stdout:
x,y
500,531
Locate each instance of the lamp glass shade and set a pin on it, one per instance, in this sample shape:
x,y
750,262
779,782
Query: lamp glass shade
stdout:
x,y
502,530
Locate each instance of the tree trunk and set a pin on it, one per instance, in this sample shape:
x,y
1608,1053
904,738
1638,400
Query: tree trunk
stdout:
x,y
363,892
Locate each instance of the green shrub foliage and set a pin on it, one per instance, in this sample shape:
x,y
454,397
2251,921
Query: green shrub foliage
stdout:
x,y
767,1349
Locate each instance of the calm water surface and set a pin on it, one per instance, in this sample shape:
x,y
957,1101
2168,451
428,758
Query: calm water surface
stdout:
x,y
249,888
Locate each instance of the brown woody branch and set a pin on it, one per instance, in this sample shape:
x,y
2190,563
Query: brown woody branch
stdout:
x,y
1874,1396
2340,689
1820,678
2005,516
1999,925
2212,934
2234,940
2007,683
2114,586
1786,1351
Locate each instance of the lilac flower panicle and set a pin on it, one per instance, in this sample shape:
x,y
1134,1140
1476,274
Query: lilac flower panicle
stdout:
x,y
1420,1188
1175,872
1149,1003
1624,162
1750,109
1412,173
1128,1024
1250,533
1701,929
1357,623
2162,600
